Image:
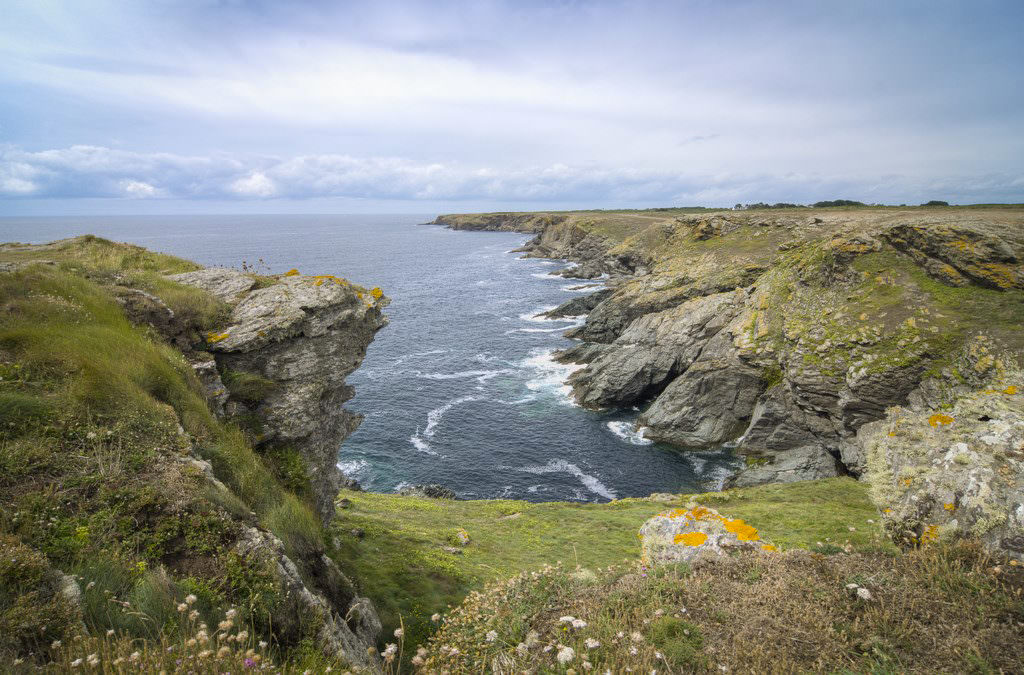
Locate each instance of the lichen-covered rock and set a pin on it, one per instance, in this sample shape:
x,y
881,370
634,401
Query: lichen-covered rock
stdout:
x,y
696,532
958,471
205,368
305,335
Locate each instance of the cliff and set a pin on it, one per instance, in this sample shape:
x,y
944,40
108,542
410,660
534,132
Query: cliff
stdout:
x,y
783,332
168,460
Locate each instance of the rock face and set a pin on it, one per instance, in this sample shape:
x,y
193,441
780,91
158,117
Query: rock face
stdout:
x,y
956,470
350,637
696,533
433,490
781,333
305,335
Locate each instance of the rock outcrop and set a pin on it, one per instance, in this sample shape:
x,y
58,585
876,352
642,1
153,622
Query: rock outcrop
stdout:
x,y
304,335
696,533
955,469
781,333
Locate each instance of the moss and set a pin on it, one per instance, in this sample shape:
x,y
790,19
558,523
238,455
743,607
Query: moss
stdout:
x,y
250,388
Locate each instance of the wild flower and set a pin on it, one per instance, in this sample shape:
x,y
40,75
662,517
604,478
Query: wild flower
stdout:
x,y
565,654
263,644
76,663
231,613
135,656
566,619
223,652
399,632
190,599
110,632
182,607
193,615
93,660
579,624
636,637
491,636
591,643
435,618
225,625
55,644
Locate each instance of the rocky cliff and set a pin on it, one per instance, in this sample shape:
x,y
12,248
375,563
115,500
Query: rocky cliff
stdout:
x,y
168,453
783,332
294,342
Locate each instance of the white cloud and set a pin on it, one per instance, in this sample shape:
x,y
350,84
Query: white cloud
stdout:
x,y
254,185
139,189
95,171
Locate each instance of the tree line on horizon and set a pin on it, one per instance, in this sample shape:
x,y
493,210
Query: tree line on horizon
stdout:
x,y
823,204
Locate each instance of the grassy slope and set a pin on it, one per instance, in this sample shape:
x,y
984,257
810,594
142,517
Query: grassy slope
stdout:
x,y
91,407
403,565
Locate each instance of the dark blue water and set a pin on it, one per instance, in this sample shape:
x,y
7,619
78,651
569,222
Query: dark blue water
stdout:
x,y
460,388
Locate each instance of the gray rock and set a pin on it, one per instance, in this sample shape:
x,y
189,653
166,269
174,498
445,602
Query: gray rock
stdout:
x,y
347,636
808,462
696,533
955,472
226,283
433,490
306,334
205,368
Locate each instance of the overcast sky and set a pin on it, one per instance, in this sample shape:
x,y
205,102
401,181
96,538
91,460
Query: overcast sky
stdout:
x,y
232,106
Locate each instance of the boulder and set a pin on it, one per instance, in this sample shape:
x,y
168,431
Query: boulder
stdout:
x,y
434,491
953,472
694,533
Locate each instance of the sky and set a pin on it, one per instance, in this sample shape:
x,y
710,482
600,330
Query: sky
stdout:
x,y
235,106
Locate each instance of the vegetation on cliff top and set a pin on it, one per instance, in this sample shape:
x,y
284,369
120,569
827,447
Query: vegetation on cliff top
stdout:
x,y
98,479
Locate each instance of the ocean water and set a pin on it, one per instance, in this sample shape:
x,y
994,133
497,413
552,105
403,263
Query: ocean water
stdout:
x,y
460,389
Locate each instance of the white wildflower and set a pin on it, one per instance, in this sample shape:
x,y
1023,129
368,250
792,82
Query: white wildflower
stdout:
x,y
492,635
55,644
399,632
435,618
182,606
93,660
76,663
190,599
110,632
567,619
579,624
636,637
565,654
231,613
633,651
135,656
591,643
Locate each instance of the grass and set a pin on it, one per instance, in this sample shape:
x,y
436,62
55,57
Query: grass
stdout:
x,y
96,413
941,609
408,564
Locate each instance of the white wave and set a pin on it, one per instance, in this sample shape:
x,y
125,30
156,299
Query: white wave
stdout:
x,y
403,359
534,315
698,464
517,402
546,275
550,375
586,288
421,444
536,330
434,416
353,468
480,376
561,466
628,432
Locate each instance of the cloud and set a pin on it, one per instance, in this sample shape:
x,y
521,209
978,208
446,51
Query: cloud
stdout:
x,y
254,185
100,172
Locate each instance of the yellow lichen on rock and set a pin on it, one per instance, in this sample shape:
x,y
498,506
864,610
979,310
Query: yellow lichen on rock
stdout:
x,y
940,420
690,538
292,273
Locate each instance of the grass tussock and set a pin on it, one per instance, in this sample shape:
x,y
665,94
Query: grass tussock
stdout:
x,y
933,610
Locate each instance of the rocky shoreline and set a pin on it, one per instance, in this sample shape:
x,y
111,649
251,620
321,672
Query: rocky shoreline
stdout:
x,y
783,334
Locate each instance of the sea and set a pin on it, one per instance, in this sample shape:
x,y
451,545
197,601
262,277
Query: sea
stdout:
x,y
460,388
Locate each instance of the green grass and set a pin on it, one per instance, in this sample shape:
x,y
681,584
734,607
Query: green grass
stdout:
x,y
403,566
91,407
